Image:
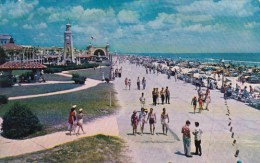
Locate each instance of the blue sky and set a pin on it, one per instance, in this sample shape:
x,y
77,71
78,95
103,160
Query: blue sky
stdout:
x,y
170,26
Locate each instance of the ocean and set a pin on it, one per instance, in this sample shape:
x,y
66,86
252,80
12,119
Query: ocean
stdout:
x,y
248,59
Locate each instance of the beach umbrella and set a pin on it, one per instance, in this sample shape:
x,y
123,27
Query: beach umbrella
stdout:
x,y
257,89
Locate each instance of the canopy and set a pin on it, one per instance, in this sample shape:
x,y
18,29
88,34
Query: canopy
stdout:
x,y
12,46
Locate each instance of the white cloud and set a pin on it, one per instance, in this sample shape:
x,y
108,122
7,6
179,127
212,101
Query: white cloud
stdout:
x,y
128,16
158,22
41,25
27,26
138,28
30,17
3,21
12,9
78,13
198,28
78,29
14,24
252,25
41,34
241,8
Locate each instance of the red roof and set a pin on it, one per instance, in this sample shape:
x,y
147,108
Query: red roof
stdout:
x,y
11,46
21,66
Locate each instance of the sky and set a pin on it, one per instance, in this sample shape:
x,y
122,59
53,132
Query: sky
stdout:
x,y
137,26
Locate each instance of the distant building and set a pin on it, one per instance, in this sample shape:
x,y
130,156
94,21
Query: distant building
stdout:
x,y
5,39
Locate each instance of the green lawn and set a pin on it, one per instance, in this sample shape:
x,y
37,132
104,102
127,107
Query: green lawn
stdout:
x,y
93,74
53,111
95,149
55,77
35,89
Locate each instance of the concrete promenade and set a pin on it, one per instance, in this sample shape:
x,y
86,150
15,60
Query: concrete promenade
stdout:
x,y
216,139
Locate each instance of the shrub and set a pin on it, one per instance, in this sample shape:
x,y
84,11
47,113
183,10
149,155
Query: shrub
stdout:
x,y
6,82
3,99
26,77
20,122
59,68
78,79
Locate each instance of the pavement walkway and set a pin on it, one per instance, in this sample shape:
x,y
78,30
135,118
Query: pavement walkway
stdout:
x,y
89,83
105,125
216,139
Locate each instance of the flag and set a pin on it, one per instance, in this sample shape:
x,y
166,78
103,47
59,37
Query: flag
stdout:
x,y
93,38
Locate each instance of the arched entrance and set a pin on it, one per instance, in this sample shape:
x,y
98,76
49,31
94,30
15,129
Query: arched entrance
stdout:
x,y
99,52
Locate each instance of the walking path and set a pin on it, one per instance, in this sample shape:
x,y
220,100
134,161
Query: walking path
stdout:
x,y
89,83
105,125
216,139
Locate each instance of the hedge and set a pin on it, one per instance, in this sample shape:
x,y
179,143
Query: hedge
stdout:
x,y
56,69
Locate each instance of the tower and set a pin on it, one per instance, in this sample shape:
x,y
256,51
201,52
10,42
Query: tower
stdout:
x,y
68,45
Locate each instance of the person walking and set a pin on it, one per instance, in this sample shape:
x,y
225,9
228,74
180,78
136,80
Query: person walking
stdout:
x,y
80,121
134,122
194,103
167,96
142,100
197,136
208,100
186,139
162,94
126,83
152,120
72,119
154,96
142,119
129,84
138,83
157,95
164,117
144,83
200,104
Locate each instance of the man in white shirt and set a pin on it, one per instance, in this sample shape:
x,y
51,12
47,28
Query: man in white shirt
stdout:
x,y
142,100
197,136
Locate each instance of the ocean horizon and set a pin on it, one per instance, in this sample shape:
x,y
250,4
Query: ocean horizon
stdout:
x,y
249,59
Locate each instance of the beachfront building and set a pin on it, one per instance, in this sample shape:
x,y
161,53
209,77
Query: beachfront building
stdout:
x,y
13,51
5,39
93,53
68,55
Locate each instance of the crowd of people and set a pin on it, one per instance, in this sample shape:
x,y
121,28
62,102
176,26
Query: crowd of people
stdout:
x,y
149,117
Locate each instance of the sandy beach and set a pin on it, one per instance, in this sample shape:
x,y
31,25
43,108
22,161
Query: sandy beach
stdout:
x,y
216,139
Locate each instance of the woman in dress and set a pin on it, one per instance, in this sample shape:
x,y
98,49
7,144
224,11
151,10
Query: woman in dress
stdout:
x,y
134,122
152,120
80,121
164,116
72,119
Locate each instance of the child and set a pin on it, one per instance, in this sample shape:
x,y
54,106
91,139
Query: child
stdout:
x,y
200,104
194,103
134,122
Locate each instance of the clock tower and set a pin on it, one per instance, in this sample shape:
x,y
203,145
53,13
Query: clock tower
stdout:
x,y
68,45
